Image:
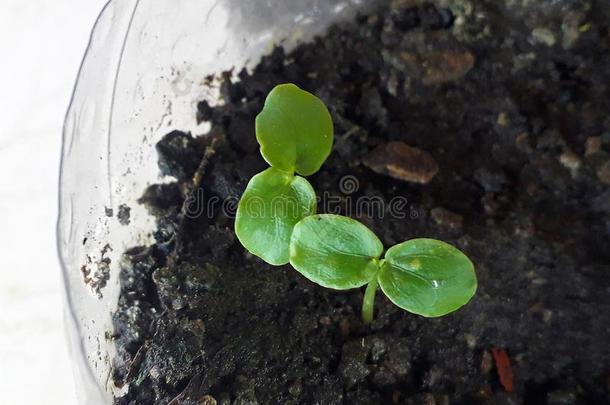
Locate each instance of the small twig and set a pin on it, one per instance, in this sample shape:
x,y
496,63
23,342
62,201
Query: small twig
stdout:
x,y
196,182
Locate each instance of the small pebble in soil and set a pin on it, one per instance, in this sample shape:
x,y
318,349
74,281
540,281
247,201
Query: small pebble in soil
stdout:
x,y
570,160
471,340
603,173
486,363
523,142
447,219
593,146
403,162
544,35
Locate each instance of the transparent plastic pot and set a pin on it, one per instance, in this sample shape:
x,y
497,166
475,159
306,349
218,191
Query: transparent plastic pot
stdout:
x,y
142,76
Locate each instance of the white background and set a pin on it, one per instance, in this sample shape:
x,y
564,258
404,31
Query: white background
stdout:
x,y
41,46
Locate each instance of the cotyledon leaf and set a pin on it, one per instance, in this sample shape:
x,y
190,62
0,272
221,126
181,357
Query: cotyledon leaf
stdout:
x,y
427,277
294,130
335,251
274,201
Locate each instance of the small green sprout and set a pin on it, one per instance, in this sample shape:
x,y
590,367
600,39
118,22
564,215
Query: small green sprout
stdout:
x,y
423,276
276,221
295,133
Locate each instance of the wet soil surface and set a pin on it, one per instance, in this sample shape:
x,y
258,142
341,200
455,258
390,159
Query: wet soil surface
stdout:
x,y
489,123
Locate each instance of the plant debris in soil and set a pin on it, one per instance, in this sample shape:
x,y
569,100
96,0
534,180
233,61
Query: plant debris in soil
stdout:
x,y
489,123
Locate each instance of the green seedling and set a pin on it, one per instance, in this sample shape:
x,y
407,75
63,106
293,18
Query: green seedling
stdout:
x,y
423,276
295,134
276,221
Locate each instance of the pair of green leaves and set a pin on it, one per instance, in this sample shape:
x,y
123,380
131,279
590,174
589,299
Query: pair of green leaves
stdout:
x,y
423,276
295,134
276,221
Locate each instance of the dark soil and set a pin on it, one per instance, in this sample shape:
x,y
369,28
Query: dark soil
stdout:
x,y
511,100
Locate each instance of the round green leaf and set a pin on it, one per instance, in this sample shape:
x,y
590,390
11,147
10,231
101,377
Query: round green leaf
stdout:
x,y
334,251
274,201
294,130
427,277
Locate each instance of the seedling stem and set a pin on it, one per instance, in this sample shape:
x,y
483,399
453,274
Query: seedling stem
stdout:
x,y
368,304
